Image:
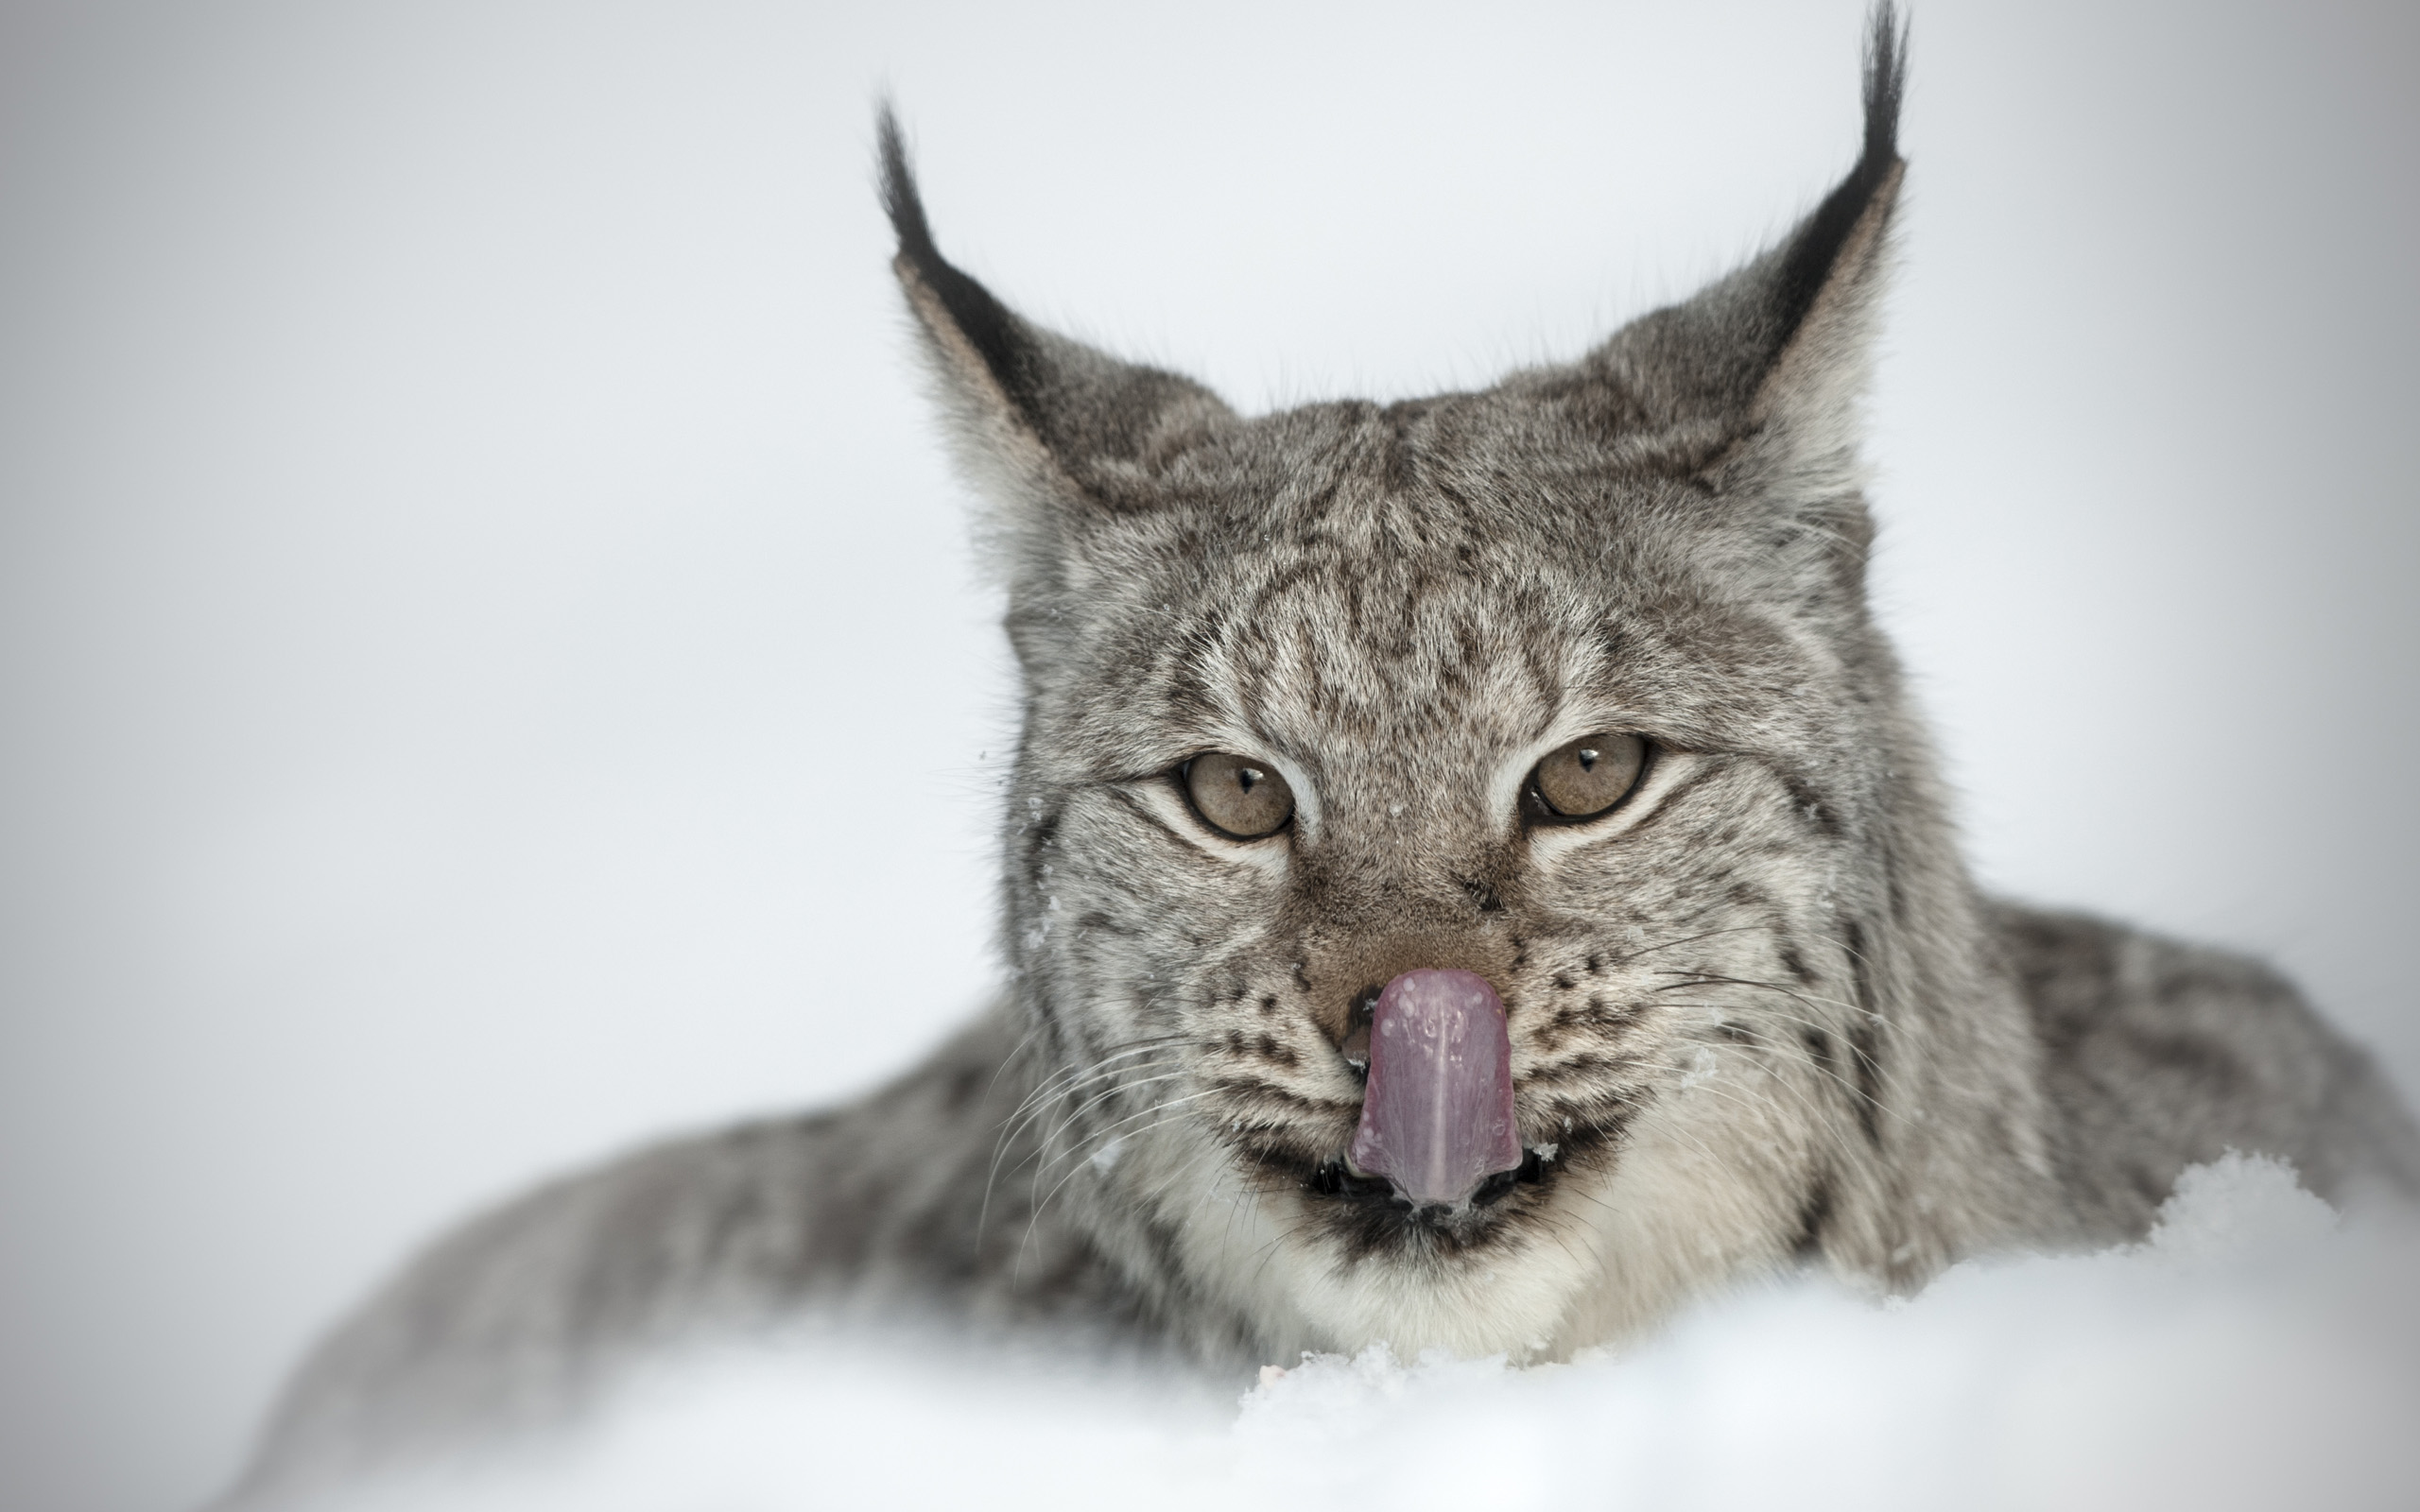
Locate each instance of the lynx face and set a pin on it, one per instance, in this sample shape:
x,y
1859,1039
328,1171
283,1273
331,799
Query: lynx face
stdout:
x,y
1402,627
1567,684
1404,662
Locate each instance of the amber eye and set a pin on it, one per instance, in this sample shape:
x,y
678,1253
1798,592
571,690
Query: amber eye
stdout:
x,y
1237,796
1589,776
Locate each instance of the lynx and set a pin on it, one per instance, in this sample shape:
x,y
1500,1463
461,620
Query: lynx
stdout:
x,y
1471,877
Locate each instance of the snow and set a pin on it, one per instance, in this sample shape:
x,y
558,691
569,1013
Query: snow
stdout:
x,y
2253,1353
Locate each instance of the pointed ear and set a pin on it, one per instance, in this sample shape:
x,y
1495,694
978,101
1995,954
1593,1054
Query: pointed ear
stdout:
x,y
1757,377
1049,429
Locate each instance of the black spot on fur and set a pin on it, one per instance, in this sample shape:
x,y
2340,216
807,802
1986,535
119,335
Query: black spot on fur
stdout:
x,y
1814,1215
1810,805
1039,837
1168,1250
1860,969
1587,1066
1795,964
1865,1049
1243,1090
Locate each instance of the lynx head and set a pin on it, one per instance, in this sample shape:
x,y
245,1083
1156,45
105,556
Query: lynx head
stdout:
x,y
1567,687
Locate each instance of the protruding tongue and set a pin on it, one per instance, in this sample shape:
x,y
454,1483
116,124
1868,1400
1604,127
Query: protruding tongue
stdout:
x,y
1437,1118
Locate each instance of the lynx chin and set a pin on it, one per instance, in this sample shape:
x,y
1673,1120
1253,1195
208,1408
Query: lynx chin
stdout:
x,y
1472,876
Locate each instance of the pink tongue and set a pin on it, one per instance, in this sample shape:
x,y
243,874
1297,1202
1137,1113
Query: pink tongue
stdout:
x,y
1437,1118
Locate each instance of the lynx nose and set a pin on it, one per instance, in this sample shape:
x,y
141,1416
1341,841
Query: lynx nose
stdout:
x,y
1437,1114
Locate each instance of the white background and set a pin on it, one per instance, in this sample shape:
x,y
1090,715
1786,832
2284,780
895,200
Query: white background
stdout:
x,y
490,664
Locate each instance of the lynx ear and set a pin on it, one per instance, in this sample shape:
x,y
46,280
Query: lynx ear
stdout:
x,y
1052,431
1760,373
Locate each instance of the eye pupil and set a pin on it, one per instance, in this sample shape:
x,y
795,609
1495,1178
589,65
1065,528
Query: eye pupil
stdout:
x,y
1246,777
1587,758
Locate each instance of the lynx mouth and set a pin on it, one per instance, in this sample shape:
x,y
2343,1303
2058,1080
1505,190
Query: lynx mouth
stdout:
x,y
1436,1144
1338,1181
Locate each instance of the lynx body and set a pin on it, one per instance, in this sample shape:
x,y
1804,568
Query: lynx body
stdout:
x,y
1756,1015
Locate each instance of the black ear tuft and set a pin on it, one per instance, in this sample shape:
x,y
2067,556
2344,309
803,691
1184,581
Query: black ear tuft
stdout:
x,y
1886,83
993,333
1808,262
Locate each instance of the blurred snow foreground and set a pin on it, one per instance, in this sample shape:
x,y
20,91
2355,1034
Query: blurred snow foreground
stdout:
x,y
2251,1353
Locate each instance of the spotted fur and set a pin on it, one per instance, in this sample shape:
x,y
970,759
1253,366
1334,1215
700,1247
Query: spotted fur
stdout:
x,y
1759,1016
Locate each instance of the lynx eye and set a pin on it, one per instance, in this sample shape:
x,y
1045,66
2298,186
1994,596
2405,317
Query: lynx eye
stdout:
x,y
1588,775
1237,795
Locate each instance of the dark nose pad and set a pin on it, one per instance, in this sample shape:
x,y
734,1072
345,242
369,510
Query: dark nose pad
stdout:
x,y
1356,1047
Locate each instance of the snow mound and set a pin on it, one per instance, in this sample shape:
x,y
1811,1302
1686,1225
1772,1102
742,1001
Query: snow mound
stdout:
x,y
2250,1353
